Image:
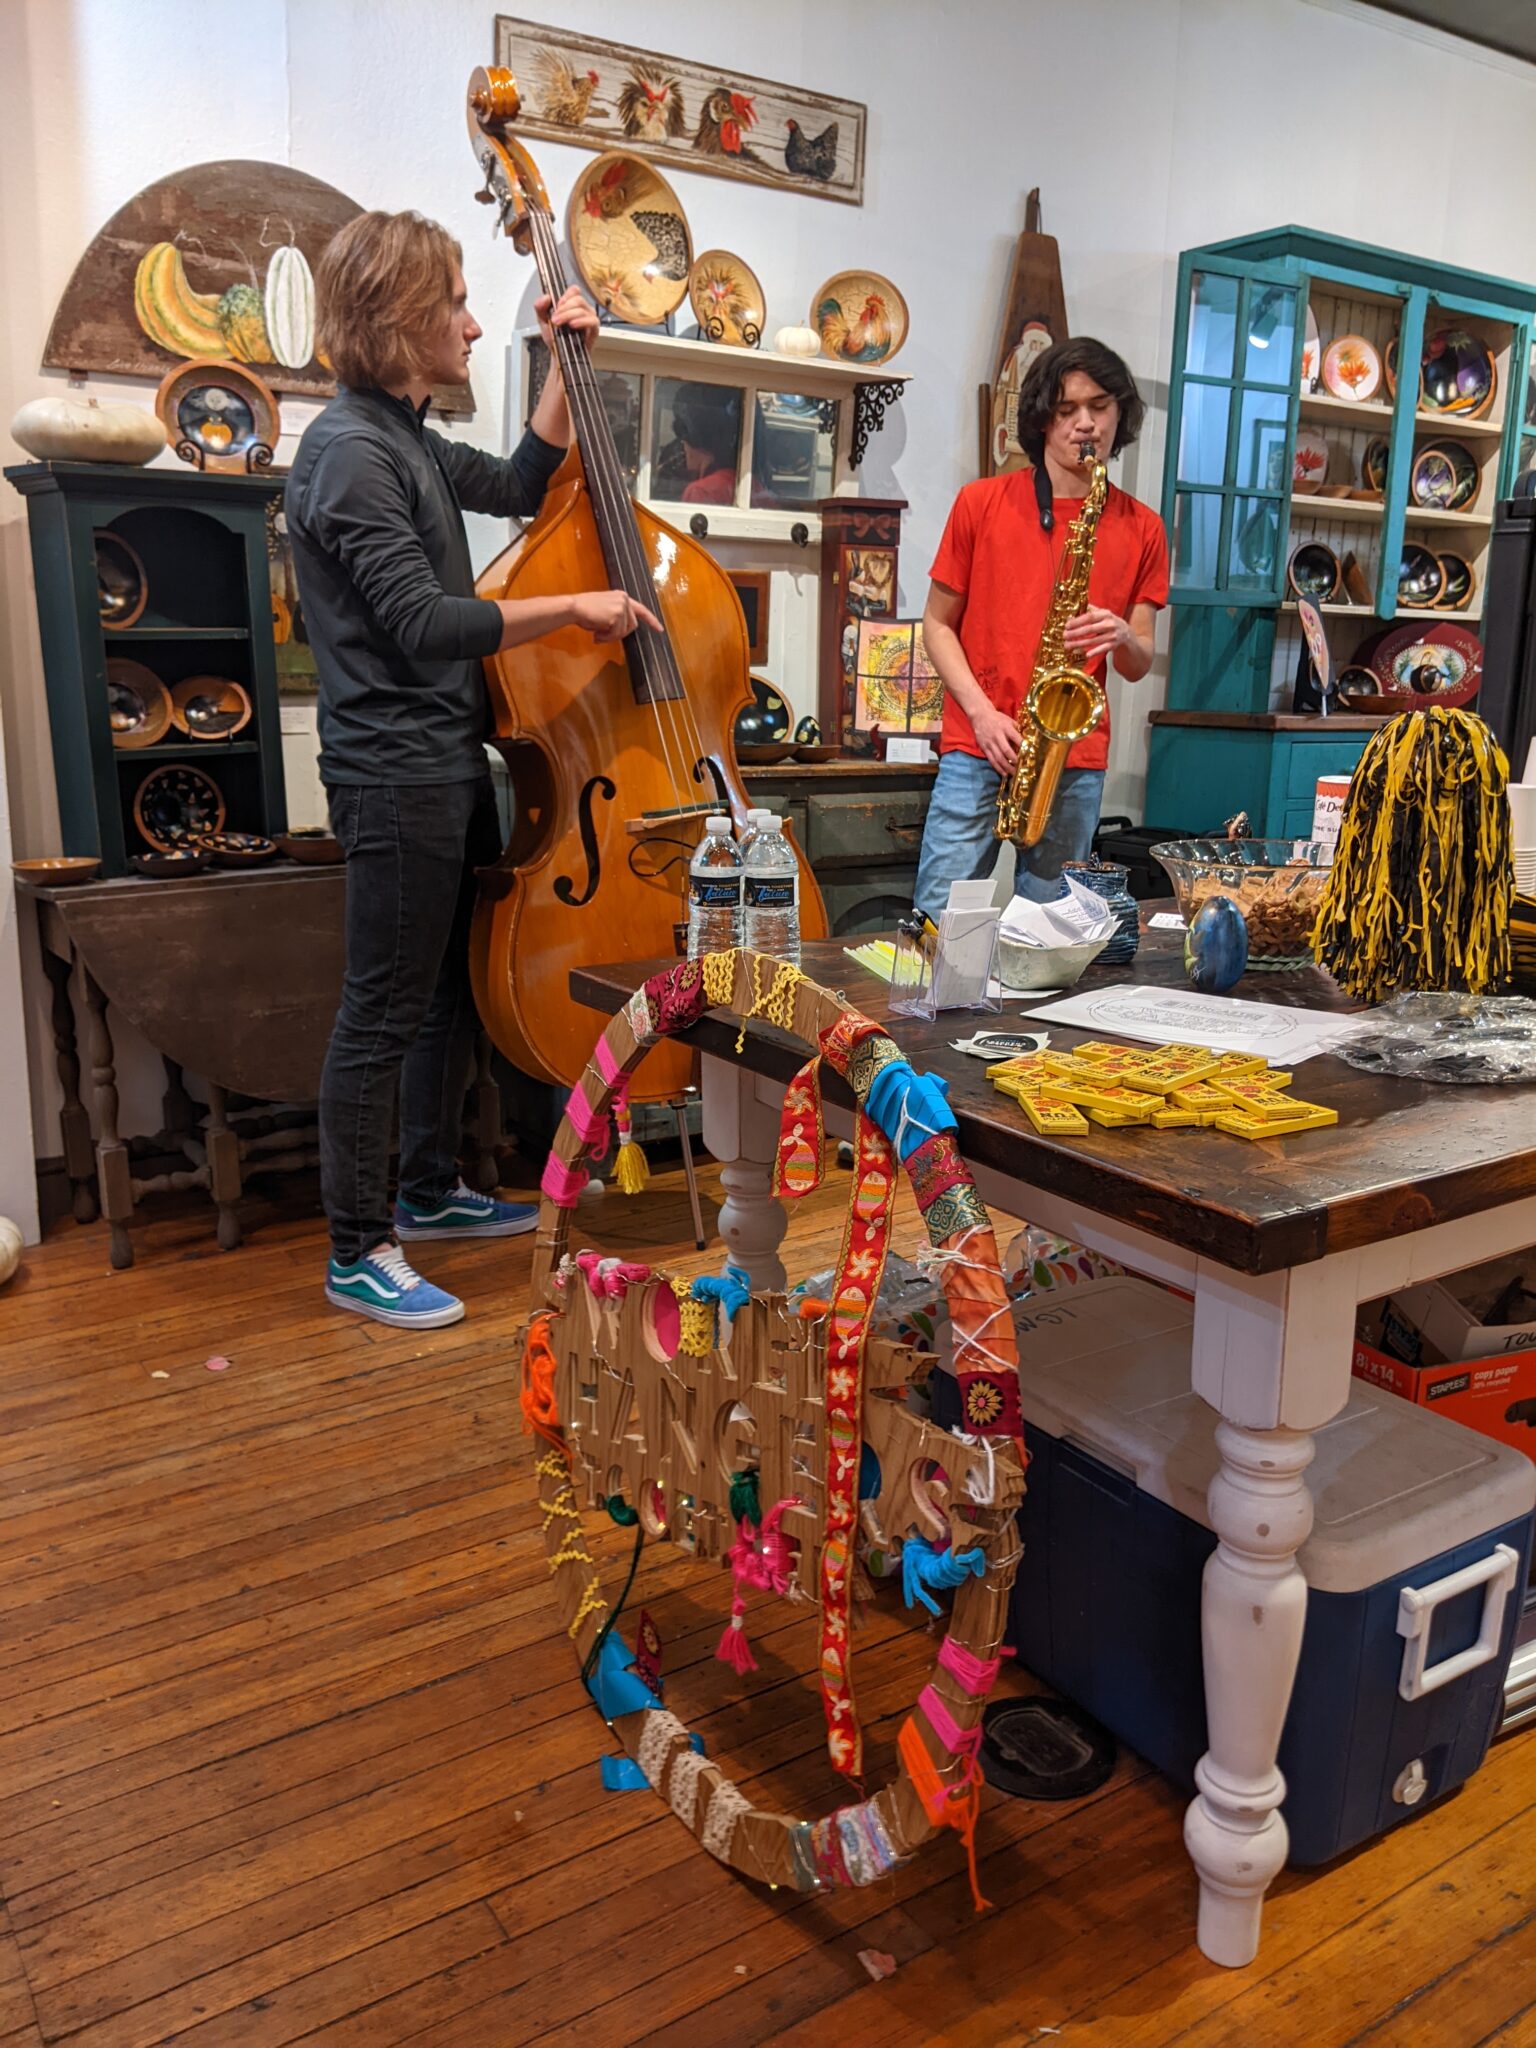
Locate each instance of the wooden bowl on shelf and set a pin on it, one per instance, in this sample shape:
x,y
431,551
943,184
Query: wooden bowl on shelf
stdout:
x,y
767,754
59,871
312,845
165,867
818,753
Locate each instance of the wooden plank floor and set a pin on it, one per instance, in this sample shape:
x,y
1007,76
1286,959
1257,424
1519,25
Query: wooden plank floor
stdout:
x,y
291,1748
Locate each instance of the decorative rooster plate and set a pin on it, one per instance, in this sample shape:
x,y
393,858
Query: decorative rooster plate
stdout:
x,y
629,236
860,316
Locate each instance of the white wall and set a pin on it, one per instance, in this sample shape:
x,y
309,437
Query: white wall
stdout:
x,y
1150,125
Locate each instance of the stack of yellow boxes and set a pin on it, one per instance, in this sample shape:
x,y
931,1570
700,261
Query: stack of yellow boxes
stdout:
x,y
1167,1086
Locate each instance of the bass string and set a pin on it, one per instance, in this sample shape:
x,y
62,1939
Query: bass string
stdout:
x,y
670,702
608,485
610,501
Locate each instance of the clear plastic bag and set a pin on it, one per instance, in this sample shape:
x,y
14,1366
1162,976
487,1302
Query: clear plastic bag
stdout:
x,y
1454,1038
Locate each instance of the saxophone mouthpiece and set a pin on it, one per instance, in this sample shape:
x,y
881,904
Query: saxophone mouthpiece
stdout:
x,y
1086,452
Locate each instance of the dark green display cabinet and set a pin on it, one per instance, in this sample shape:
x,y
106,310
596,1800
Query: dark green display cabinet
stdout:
x,y
1264,457
201,544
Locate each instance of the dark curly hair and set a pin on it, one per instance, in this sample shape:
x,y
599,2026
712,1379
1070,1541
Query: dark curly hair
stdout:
x,y
1040,392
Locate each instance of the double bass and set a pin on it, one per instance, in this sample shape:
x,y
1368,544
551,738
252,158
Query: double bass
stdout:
x,y
617,751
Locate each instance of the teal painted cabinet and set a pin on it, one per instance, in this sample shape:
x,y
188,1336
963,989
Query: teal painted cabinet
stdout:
x,y
1263,457
202,541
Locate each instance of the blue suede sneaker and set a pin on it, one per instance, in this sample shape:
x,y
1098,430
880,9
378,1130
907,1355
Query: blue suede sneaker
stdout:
x,y
383,1285
463,1213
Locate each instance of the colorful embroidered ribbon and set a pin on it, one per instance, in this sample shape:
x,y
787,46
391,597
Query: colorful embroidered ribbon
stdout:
x,y
866,1239
802,1147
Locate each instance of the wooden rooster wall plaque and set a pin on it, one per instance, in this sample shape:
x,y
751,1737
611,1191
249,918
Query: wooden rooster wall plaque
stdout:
x,y
601,95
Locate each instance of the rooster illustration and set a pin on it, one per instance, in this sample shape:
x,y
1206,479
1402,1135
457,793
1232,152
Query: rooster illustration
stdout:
x,y
866,338
723,122
565,95
651,106
607,197
811,156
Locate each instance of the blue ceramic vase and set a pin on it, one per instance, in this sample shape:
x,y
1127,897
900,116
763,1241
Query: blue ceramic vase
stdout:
x,y
1107,879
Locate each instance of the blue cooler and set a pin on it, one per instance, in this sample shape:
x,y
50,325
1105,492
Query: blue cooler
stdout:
x,y
1416,1565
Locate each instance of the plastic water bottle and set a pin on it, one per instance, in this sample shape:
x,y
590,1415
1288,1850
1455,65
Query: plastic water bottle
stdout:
x,y
750,830
714,891
773,895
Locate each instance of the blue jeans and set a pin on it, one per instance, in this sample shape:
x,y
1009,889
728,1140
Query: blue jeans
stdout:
x,y
407,1023
959,842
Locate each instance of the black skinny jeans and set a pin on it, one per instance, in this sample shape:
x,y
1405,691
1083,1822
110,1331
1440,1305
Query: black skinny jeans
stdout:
x,y
407,1020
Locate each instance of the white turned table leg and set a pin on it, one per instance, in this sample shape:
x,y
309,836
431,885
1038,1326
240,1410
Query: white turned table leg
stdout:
x,y
1271,1355
741,1130
1255,1603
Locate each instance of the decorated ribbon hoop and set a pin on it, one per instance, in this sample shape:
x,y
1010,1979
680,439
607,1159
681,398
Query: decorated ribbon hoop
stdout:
x,y
668,1396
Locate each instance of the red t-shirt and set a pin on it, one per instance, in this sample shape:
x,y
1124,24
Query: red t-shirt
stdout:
x,y
1000,559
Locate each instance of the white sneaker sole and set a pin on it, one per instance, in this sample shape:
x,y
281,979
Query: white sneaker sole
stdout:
x,y
400,1319
420,1233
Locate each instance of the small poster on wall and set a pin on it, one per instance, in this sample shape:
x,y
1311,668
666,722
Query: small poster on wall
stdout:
x,y
896,686
601,95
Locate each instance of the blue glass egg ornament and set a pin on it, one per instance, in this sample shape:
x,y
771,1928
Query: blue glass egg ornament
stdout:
x,y
1216,945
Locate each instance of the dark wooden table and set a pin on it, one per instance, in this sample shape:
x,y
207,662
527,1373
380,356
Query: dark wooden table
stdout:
x,y
232,974
1278,1242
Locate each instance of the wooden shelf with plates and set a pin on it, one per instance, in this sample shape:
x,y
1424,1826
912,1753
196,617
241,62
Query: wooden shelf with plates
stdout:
x,y
1249,416
1313,503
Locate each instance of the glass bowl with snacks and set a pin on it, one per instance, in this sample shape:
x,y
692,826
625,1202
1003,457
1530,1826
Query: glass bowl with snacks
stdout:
x,y
1276,883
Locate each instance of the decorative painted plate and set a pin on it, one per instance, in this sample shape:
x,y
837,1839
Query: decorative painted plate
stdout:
x,y
210,707
1439,654
1460,583
176,805
1311,460
1420,579
629,236
1389,366
1459,375
1351,368
1311,353
727,299
1444,476
1313,571
860,316
219,415
122,588
138,705
1373,464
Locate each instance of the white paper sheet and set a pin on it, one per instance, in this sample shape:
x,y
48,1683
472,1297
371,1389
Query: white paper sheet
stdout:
x,y
1168,1016
1075,919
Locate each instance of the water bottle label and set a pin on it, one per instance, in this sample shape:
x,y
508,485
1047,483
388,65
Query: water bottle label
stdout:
x,y
764,893
706,890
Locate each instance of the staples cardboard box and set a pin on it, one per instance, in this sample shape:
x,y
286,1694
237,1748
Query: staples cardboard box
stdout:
x,y
1436,1346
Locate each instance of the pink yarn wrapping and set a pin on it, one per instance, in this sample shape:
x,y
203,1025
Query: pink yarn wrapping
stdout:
x,y
610,1279
606,1064
564,1184
957,1740
974,1675
589,1124
764,1560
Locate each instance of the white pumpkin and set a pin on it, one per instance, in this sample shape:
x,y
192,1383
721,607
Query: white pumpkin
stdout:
x,y
290,307
10,1249
84,430
797,341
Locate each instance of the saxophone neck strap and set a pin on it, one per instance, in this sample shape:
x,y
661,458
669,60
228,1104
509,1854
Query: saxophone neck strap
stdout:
x,y
1044,497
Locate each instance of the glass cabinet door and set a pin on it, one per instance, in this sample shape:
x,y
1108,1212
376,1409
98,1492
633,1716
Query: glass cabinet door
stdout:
x,y
1232,435
1527,402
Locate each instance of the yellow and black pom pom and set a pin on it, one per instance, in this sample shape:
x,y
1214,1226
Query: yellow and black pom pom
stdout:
x,y
1418,894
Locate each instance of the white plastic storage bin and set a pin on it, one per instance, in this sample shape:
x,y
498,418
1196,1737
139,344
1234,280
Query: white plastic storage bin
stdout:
x,y
1416,1564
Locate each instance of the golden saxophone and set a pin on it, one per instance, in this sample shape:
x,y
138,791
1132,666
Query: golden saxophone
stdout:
x,y
1063,703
